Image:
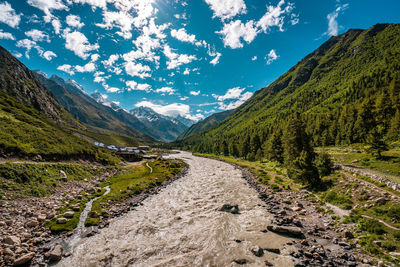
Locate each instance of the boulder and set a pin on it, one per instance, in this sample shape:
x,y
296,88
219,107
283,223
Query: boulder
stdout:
x,y
12,240
24,259
56,253
90,231
63,175
234,209
61,220
41,218
257,251
69,214
288,230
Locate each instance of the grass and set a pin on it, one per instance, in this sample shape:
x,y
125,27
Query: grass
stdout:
x,y
133,180
41,179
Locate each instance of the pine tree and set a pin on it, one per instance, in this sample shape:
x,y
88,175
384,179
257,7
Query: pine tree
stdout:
x,y
376,142
273,149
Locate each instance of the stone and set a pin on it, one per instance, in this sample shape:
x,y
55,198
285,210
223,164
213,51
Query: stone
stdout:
x,y
8,251
63,175
267,263
289,230
12,240
93,214
234,209
62,220
273,250
31,223
90,231
348,235
241,261
41,218
257,251
91,190
50,215
69,214
76,207
2,224
56,253
296,209
381,201
24,259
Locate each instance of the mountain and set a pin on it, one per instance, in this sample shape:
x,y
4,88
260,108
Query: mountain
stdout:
x,y
33,122
185,121
345,91
205,124
168,127
98,118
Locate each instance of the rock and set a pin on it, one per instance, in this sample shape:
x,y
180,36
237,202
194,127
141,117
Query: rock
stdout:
x,y
241,261
267,263
348,235
296,208
2,224
93,214
8,251
273,250
257,251
289,230
12,240
56,253
76,207
234,209
50,215
69,214
41,218
91,190
62,220
381,201
31,223
63,175
90,231
24,259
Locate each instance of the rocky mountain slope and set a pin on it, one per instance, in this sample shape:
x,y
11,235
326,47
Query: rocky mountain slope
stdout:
x,y
205,124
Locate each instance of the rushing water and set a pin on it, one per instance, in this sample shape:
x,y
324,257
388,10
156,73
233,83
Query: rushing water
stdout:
x,y
182,225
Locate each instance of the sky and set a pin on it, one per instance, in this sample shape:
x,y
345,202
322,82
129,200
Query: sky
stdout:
x,y
178,57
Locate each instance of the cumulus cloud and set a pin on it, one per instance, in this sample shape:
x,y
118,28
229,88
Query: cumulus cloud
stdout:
x,y
37,35
227,9
333,26
66,68
172,110
28,45
184,98
89,67
132,85
6,35
121,20
49,55
8,15
78,43
183,36
271,57
166,90
74,21
137,69
254,58
56,25
175,60
236,94
195,92
235,32
47,6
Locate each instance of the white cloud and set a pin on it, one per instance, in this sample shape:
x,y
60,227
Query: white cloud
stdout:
x,y
175,60
111,60
275,15
271,57
166,90
195,92
28,45
89,67
226,9
184,98
6,35
74,21
47,5
333,26
94,57
137,69
132,85
66,68
254,58
94,3
8,15
236,30
37,35
78,43
173,110
111,89
49,55
56,25
183,36
235,94
121,20
186,72
195,117
215,61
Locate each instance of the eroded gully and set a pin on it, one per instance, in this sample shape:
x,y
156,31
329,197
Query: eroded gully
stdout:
x,y
182,225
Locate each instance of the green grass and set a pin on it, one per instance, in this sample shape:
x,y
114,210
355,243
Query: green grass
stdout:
x,y
41,179
133,180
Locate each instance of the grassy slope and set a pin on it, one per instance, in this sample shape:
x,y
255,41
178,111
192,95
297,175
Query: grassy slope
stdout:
x,y
318,84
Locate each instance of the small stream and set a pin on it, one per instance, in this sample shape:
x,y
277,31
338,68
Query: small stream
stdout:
x,y
75,239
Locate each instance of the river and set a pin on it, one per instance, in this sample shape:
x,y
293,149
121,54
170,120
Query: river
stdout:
x,y
182,225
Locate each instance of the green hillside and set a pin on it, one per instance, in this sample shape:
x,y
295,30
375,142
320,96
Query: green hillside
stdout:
x,y
345,91
205,124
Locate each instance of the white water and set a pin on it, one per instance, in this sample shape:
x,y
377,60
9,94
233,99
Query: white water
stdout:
x,y
182,225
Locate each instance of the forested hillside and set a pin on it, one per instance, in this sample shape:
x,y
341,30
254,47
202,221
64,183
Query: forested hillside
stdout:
x,y
347,91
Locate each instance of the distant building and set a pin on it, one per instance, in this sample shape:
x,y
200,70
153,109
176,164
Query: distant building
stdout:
x,y
112,147
143,147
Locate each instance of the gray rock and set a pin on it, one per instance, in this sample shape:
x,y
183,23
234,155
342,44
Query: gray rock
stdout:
x,y
234,209
24,259
32,223
289,230
257,251
63,175
56,253
12,240
69,214
62,220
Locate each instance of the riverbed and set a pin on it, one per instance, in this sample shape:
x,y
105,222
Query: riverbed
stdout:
x,y
182,225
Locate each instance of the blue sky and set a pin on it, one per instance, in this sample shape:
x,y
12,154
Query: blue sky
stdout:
x,y
191,58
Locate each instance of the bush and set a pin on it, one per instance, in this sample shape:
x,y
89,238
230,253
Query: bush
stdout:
x,y
371,226
324,164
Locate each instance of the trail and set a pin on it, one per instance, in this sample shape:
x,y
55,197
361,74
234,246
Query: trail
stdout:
x,y
182,225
